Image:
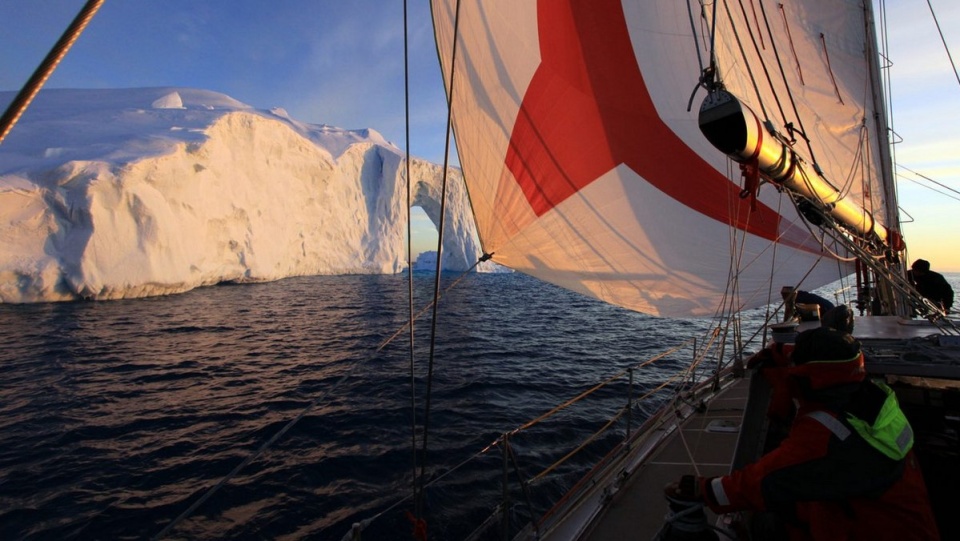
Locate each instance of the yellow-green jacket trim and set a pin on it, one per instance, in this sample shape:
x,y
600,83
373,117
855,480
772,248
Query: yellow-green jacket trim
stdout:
x,y
890,433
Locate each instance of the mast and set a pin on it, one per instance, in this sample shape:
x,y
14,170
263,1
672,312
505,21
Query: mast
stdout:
x,y
898,303
892,217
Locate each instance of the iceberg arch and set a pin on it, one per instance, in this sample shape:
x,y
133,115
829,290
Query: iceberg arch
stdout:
x,y
139,200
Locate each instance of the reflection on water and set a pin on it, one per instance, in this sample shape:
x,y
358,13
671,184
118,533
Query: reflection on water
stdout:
x,y
116,416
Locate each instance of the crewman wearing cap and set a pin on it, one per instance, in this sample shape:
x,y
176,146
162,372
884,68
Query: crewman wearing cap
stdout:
x,y
845,470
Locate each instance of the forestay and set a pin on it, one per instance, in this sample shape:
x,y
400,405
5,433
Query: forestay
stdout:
x,y
586,169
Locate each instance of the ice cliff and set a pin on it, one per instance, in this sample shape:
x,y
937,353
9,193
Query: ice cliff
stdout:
x,y
108,194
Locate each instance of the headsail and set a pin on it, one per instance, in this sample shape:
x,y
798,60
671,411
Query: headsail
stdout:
x,y
586,169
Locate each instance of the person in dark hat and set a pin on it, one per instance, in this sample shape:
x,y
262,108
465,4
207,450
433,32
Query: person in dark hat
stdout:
x,y
794,298
931,285
772,362
838,318
846,469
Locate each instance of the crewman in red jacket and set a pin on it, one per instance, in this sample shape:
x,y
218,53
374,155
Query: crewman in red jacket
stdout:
x,y
846,470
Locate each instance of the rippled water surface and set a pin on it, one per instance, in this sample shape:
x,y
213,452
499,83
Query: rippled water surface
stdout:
x,y
116,416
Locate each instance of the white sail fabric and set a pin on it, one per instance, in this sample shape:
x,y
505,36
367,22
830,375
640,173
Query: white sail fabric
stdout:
x,y
586,169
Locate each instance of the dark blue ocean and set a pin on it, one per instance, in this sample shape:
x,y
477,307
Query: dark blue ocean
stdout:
x,y
116,416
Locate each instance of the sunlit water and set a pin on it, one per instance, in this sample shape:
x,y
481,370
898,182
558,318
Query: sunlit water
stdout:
x,y
116,416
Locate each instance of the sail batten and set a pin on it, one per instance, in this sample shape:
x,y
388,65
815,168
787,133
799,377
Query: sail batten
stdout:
x,y
586,169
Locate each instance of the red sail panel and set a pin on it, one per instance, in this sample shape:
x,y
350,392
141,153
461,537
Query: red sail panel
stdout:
x,y
585,168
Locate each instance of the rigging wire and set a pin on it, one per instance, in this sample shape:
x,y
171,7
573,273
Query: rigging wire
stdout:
x,y
773,269
524,484
956,193
783,76
43,72
713,36
859,164
743,55
429,305
730,304
756,47
693,34
436,290
675,408
412,363
944,41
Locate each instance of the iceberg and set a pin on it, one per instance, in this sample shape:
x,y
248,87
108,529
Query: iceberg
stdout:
x,y
427,262
120,193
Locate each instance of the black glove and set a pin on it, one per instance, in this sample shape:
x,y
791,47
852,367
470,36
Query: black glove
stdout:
x,y
687,488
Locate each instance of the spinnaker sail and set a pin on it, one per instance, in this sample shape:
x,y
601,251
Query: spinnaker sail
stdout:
x,y
578,134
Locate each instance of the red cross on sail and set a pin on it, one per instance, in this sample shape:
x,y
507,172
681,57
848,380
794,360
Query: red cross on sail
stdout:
x,y
582,114
585,168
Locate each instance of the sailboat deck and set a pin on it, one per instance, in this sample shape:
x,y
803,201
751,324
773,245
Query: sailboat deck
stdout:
x,y
628,502
897,347
711,438
709,441
892,327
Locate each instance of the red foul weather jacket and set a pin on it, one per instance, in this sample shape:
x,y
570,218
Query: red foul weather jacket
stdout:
x,y
828,488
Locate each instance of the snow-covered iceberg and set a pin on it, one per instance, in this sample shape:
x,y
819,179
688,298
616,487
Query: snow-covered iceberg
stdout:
x,y
109,194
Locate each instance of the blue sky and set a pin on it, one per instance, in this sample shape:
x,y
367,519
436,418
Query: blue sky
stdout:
x,y
340,62
330,61
337,62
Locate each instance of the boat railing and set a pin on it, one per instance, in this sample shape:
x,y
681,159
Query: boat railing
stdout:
x,y
517,508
